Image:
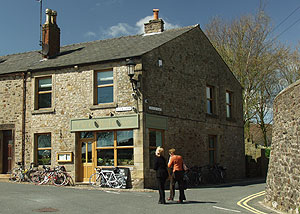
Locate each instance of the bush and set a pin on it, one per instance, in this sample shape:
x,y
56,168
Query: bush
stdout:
x,y
267,152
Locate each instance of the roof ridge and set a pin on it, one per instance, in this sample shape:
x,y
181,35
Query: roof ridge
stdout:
x,y
98,40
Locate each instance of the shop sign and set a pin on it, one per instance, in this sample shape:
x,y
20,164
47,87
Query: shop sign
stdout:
x,y
155,108
126,108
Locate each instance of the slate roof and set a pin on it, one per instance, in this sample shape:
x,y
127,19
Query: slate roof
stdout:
x,y
90,52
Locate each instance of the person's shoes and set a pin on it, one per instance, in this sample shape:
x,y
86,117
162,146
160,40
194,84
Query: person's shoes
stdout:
x,y
180,201
170,199
161,202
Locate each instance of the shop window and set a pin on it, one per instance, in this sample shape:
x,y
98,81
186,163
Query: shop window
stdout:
x,y
43,149
210,102
212,144
43,92
104,87
115,148
228,104
156,138
86,135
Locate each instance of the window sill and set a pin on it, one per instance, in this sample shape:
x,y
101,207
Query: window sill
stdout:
x,y
103,106
43,111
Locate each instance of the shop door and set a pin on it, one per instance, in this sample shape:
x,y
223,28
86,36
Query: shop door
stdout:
x,y
87,159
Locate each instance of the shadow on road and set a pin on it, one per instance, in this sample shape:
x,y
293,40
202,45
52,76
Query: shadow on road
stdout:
x,y
193,202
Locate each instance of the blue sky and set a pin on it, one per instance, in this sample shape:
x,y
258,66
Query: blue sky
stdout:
x,y
87,20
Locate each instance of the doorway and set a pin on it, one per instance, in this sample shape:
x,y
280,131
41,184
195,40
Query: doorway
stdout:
x,y
87,159
6,145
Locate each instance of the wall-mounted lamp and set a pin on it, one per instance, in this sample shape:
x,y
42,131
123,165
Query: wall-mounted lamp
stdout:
x,y
130,71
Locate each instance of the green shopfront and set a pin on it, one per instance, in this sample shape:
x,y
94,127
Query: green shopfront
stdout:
x,y
120,141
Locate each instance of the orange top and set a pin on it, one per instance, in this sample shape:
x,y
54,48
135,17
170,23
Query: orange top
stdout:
x,y
177,162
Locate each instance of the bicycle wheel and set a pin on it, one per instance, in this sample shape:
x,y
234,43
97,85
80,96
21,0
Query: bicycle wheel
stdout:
x,y
95,179
59,178
15,175
69,181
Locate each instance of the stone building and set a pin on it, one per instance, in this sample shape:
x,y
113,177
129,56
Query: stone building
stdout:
x,y
283,180
77,105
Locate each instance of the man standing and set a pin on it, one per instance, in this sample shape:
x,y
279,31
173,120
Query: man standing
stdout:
x,y
176,162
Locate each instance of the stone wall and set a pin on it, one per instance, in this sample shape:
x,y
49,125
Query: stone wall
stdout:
x,y
283,180
11,97
188,64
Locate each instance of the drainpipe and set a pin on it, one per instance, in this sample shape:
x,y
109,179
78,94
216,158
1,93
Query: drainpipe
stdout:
x,y
23,117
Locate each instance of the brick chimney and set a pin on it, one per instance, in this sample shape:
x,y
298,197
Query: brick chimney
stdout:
x,y
51,35
155,25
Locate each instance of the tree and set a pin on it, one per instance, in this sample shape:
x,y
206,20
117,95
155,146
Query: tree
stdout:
x,y
245,44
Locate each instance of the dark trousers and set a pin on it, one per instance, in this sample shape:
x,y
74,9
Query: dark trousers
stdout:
x,y
178,177
172,186
161,189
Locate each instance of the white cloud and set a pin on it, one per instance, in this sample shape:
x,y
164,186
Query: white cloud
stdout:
x,y
120,29
123,29
90,34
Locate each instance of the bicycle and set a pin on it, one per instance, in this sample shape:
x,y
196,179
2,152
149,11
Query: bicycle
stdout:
x,y
19,174
69,180
55,176
194,176
107,178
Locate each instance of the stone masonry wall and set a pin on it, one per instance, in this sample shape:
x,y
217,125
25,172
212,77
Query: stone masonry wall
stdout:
x,y
72,92
11,96
189,63
283,180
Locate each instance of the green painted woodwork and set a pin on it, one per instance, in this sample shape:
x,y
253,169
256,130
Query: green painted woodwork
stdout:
x,y
105,123
156,122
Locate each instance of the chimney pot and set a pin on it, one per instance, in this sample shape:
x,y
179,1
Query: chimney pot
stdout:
x,y
53,17
155,14
48,15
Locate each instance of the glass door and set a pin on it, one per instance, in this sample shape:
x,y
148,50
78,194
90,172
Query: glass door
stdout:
x,y
87,159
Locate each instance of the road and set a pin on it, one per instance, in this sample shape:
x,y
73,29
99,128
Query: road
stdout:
x,y
27,198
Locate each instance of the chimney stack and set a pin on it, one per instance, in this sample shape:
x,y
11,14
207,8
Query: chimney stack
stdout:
x,y
51,35
155,25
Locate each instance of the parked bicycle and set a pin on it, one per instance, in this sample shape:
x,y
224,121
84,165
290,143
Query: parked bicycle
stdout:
x,y
54,176
107,178
193,176
19,174
214,174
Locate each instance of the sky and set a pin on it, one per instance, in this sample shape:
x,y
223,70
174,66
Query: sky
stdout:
x,y
89,20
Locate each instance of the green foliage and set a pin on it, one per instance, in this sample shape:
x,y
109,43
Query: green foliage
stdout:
x,y
267,152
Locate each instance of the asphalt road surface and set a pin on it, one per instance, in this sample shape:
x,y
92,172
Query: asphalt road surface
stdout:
x,y
28,198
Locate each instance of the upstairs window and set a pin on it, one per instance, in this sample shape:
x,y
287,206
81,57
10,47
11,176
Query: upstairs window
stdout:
x,y
210,100
228,104
43,92
104,87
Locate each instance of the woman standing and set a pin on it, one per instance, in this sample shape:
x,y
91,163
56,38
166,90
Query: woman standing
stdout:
x,y
160,166
176,162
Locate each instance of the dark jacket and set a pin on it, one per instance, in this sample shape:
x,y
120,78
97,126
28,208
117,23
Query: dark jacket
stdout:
x,y
160,166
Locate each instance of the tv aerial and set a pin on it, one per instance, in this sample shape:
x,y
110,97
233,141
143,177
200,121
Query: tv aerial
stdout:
x,y
41,25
